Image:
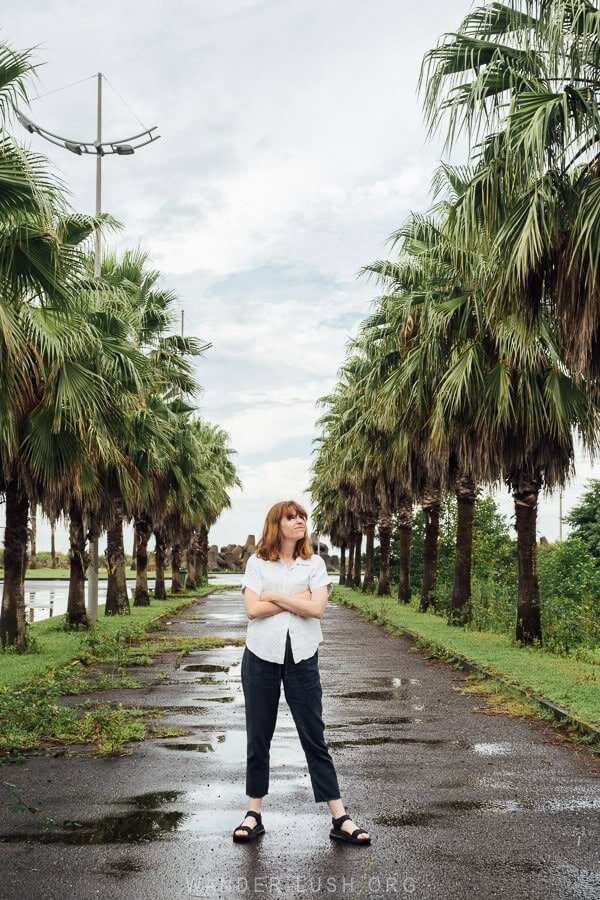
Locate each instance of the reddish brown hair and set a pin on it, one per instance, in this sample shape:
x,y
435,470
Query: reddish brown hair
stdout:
x,y
270,543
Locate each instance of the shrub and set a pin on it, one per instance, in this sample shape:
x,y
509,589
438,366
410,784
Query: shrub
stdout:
x,y
570,595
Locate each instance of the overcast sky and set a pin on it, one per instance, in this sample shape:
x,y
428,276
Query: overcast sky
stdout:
x,y
292,145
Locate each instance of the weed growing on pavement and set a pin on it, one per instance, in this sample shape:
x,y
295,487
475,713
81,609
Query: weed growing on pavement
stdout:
x,y
32,717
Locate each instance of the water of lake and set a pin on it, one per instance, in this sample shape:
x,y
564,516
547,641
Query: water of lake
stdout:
x,y
47,598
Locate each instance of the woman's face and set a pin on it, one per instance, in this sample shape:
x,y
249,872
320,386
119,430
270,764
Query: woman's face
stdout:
x,y
292,527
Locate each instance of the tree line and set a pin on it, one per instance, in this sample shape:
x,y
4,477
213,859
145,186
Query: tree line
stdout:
x,y
481,359
98,422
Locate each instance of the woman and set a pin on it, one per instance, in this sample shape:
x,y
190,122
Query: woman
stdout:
x,y
285,591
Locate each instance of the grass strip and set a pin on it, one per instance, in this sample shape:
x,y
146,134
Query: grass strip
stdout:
x,y
33,719
53,646
567,682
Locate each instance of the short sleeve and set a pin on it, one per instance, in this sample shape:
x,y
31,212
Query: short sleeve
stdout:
x,y
252,576
319,576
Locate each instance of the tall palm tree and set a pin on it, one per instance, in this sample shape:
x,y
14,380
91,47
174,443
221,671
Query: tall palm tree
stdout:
x,y
506,383
47,390
524,79
170,379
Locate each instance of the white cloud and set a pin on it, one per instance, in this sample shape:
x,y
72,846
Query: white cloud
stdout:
x,y
292,146
264,485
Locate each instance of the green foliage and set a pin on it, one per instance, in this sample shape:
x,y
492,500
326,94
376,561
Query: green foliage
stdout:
x,y
570,591
44,560
494,565
32,715
584,518
56,646
569,577
571,683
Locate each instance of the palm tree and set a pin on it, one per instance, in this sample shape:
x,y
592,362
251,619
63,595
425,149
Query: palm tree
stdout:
x,y
506,385
47,391
524,79
123,368
193,492
418,323
170,379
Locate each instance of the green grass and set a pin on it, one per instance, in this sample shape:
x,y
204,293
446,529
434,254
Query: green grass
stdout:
x,y
32,718
569,682
54,647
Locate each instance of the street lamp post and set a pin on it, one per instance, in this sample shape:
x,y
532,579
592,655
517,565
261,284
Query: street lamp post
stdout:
x,y
99,149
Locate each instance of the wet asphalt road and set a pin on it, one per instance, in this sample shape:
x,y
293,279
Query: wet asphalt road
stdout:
x,y
460,804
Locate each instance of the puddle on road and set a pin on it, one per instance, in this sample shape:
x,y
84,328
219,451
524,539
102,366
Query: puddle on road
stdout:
x,y
385,739
122,867
495,806
197,748
229,748
205,667
438,810
392,720
152,800
139,826
227,699
238,699
369,695
179,710
407,820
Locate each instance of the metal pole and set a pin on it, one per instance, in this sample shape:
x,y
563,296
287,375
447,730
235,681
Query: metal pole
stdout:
x,y
92,610
560,515
98,260
181,323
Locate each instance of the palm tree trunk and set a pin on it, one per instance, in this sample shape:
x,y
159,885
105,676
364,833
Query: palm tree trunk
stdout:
x,y
385,542
160,556
33,554
203,553
176,566
350,566
117,601
357,558
405,523
343,562
431,511
192,562
525,493
460,603
53,544
142,532
78,563
369,579
12,617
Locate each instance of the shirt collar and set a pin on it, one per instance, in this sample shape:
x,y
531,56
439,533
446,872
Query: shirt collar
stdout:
x,y
297,562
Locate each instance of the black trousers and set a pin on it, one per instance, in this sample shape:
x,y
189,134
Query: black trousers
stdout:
x,y
261,681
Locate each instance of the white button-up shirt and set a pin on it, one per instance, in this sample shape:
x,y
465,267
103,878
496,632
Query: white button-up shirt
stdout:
x,y
266,637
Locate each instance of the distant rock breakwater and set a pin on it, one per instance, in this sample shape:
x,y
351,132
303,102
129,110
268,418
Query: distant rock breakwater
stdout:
x,y
233,557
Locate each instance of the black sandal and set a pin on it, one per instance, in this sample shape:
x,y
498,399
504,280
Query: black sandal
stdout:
x,y
251,832
339,835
